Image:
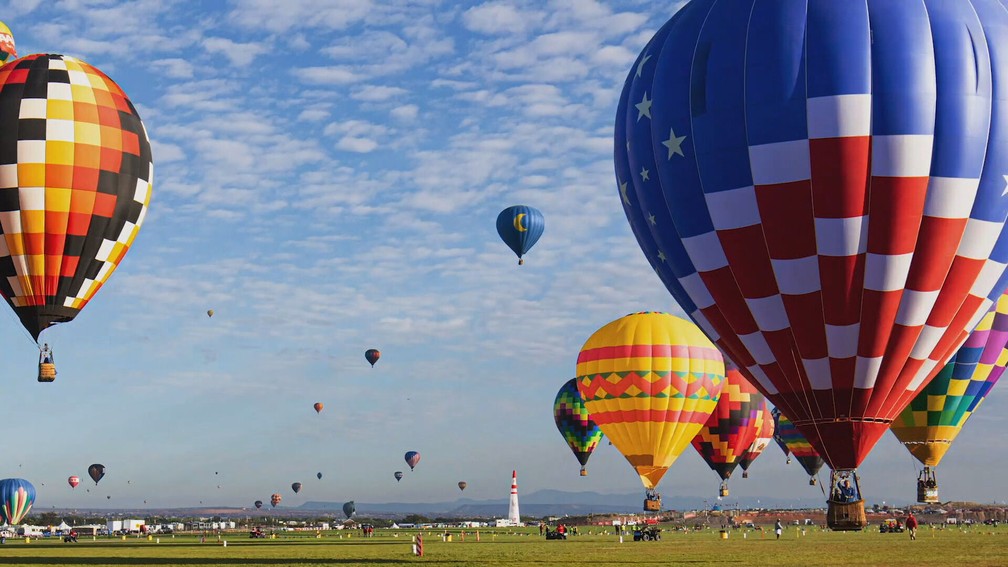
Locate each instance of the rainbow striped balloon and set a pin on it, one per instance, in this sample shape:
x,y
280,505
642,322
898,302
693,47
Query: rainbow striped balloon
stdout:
x,y
650,381
935,417
764,436
733,425
571,417
16,498
788,436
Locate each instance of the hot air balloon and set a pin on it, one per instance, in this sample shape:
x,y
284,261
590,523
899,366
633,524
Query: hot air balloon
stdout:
x,y
794,443
372,355
79,184
764,436
571,417
258,504
209,312
319,475
8,52
412,458
318,407
73,481
462,485
348,508
16,498
398,475
935,417
96,472
731,427
747,138
650,381
275,499
296,487
520,227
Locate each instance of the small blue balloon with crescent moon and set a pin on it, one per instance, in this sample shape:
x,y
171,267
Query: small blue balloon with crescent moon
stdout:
x,y
520,227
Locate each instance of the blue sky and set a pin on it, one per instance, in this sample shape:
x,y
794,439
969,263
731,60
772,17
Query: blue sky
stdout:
x,y
327,176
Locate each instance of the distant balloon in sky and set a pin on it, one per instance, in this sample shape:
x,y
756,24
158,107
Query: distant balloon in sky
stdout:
x,y
794,443
319,475
349,508
258,504
412,458
16,498
275,499
520,227
764,437
318,407
79,186
73,481
296,487
96,472
372,355
462,485
210,312
8,52
398,475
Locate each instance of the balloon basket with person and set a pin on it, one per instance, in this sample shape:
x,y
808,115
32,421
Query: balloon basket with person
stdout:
x,y
927,487
47,364
845,507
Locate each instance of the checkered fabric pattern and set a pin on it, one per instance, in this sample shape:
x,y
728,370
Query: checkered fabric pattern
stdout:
x,y
732,426
8,52
936,416
75,181
792,441
764,436
572,420
650,381
821,185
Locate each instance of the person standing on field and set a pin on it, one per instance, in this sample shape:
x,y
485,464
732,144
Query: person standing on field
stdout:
x,y
911,524
778,528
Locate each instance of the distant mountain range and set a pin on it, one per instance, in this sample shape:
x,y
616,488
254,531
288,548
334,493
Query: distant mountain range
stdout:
x,y
541,503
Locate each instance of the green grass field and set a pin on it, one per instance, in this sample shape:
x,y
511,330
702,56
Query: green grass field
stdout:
x,y
975,546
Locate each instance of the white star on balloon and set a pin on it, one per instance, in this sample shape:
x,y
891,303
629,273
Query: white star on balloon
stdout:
x,y
643,107
645,174
1005,192
640,66
661,256
674,144
623,191
651,219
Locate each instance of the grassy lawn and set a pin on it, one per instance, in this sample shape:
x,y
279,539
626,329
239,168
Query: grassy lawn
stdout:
x,y
976,546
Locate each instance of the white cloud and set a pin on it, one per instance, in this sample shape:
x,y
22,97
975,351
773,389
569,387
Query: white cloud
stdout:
x,y
356,144
174,68
377,93
500,18
239,54
336,75
405,113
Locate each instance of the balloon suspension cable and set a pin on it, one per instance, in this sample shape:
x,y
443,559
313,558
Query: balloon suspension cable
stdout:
x,y
17,324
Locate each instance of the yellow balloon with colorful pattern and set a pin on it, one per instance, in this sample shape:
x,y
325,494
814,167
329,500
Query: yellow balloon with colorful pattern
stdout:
x,y
8,52
650,381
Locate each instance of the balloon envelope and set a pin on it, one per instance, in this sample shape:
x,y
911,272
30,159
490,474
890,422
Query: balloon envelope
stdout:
x,y
318,407
520,227
787,169
732,426
462,485
73,481
935,417
210,312
650,381
785,432
372,355
319,475
275,499
8,52
81,206
258,504
575,425
348,508
398,475
96,472
764,436
296,487
412,458
16,498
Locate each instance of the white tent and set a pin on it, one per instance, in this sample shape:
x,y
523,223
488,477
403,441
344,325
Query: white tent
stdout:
x,y
63,527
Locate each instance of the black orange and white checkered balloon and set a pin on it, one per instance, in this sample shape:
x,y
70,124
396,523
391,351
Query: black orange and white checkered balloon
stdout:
x,y
75,180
